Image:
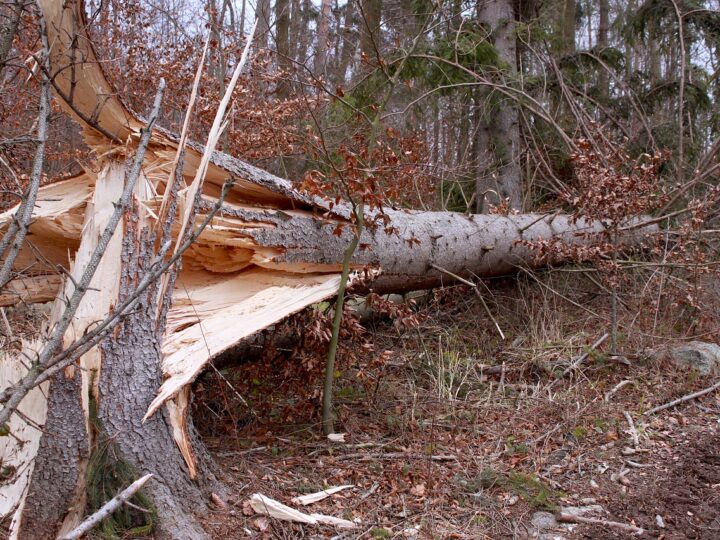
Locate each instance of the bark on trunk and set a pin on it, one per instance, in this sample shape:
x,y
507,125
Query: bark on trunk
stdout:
x,y
321,50
103,404
128,381
501,122
9,29
282,43
603,80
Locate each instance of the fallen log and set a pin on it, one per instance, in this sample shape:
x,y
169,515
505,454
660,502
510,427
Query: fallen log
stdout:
x,y
269,252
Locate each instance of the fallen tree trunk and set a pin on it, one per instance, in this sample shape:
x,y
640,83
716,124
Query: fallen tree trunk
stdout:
x,y
270,252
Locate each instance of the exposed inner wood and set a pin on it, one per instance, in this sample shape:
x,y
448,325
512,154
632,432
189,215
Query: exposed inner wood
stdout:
x,y
17,453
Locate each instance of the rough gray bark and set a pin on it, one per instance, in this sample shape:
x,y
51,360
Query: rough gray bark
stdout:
x,y
483,245
60,462
501,129
9,29
128,382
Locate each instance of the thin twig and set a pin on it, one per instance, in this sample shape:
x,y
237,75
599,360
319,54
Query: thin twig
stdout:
x,y
477,292
580,359
683,399
615,389
8,328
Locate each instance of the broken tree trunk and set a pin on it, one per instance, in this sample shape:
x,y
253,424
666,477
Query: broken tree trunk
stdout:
x,y
269,252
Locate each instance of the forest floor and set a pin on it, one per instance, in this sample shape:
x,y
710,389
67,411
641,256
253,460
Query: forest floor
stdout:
x,y
439,444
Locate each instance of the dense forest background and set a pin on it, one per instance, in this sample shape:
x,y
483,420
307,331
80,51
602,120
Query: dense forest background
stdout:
x,y
480,102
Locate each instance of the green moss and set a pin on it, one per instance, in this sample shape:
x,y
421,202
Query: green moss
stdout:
x,y
532,490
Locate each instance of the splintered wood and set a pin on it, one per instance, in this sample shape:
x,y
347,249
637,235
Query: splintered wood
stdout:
x,y
18,451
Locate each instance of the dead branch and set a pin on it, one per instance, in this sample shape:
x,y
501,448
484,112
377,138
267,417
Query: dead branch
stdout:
x,y
633,430
477,292
570,518
580,359
683,399
616,388
17,230
107,509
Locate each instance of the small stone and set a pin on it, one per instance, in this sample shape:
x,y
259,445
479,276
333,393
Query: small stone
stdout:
x,y
659,521
543,520
594,484
700,356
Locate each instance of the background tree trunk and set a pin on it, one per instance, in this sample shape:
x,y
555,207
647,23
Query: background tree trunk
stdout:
x,y
323,26
371,12
282,30
348,43
602,43
501,122
567,27
263,30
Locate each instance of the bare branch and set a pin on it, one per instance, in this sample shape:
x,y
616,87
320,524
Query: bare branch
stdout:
x,y
108,508
17,230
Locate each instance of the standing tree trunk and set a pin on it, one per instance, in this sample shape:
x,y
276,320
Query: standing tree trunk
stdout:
x,y
602,45
9,29
282,44
348,44
321,49
567,27
371,13
499,130
263,29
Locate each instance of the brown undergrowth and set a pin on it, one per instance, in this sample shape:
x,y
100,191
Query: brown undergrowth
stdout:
x,y
452,432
